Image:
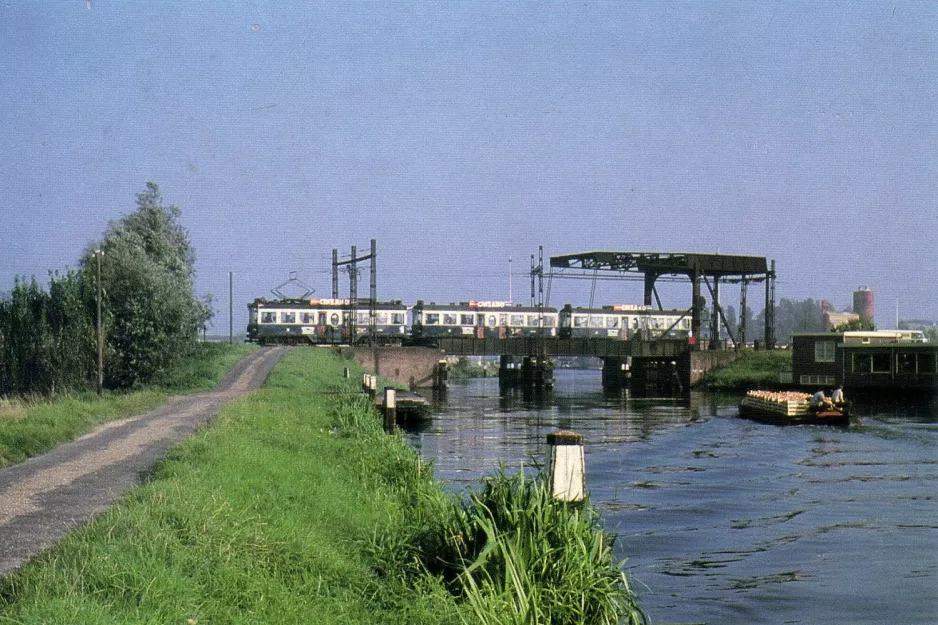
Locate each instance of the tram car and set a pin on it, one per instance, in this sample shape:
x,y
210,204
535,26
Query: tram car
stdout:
x,y
324,322
623,322
482,319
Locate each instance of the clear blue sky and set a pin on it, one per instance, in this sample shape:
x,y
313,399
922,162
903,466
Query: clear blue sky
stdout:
x,y
460,134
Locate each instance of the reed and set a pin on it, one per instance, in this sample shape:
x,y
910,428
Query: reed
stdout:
x,y
519,556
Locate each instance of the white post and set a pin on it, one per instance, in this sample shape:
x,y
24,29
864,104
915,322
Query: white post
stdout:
x,y
390,410
567,467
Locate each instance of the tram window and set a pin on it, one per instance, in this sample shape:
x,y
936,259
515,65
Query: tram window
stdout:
x,y
268,317
288,317
308,317
596,322
533,321
450,319
492,321
334,319
612,322
322,318
362,318
466,320
433,319
503,319
383,318
397,319
549,322
579,321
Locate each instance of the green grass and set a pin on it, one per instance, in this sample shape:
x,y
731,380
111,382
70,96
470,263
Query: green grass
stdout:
x,y
31,426
204,368
266,516
293,506
754,369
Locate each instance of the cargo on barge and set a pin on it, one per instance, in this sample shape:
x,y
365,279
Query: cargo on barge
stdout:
x,y
789,408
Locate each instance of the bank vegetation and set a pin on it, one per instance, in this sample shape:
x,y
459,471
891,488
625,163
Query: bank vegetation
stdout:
x,y
293,506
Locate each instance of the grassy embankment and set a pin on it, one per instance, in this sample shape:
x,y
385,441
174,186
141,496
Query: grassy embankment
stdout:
x,y
294,507
754,369
31,426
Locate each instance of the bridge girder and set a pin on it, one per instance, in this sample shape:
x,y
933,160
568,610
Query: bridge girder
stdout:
x,y
732,268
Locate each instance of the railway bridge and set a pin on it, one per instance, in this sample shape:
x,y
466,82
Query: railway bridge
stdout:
x,y
646,363
648,367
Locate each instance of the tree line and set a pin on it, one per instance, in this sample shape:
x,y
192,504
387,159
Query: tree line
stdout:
x,y
151,316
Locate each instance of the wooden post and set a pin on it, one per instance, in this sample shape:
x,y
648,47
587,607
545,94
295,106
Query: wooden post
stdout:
x,y
566,469
390,410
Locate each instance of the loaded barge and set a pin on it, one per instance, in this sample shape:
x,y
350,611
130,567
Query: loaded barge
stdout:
x,y
789,408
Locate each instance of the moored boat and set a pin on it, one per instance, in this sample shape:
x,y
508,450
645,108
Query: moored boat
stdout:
x,y
789,408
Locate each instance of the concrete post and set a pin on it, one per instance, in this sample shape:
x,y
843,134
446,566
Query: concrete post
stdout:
x,y
566,469
390,410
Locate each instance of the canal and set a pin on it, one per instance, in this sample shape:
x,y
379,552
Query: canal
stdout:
x,y
724,520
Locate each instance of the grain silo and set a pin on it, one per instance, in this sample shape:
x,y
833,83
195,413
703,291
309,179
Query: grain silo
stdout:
x,y
863,303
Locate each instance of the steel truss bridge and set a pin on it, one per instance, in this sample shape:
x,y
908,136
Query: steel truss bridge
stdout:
x,y
710,270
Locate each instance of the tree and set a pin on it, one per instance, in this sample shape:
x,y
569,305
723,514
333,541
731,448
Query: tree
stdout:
x,y
792,317
152,316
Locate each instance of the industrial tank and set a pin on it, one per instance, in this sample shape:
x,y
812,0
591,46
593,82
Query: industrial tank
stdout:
x,y
863,303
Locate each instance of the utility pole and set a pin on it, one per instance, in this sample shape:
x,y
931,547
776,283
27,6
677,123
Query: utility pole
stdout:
x,y
98,254
230,307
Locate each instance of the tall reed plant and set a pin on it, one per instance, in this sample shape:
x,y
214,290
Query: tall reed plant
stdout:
x,y
521,557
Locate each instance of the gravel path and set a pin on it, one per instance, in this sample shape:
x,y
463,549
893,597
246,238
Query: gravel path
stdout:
x,y
45,497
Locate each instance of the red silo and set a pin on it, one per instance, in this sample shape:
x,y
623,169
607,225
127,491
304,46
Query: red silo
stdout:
x,y
863,303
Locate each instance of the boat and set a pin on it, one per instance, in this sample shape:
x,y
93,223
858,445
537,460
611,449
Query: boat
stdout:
x,y
789,408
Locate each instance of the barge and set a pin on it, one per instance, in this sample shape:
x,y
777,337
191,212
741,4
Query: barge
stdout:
x,y
789,408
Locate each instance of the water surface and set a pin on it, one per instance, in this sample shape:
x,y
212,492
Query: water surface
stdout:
x,y
725,520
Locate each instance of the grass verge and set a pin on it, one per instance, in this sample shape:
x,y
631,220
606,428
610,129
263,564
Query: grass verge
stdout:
x,y
754,369
31,426
294,507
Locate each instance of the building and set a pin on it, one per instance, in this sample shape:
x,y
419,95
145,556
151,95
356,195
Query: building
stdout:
x,y
832,319
888,359
863,303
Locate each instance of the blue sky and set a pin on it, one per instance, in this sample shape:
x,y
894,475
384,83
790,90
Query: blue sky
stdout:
x,y
460,134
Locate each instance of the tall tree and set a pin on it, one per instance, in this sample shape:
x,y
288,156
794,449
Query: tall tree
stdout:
x,y
148,272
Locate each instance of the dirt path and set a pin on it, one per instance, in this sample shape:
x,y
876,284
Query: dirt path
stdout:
x,y
45,497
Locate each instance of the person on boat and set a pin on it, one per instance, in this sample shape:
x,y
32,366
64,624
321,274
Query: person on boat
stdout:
x,y
819,401
837,397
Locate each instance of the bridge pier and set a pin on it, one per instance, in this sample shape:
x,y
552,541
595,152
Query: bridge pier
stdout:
x,y
532,372
657,376
616,373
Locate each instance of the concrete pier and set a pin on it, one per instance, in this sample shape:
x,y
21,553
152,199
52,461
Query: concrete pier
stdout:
x,y
531,372
617,373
